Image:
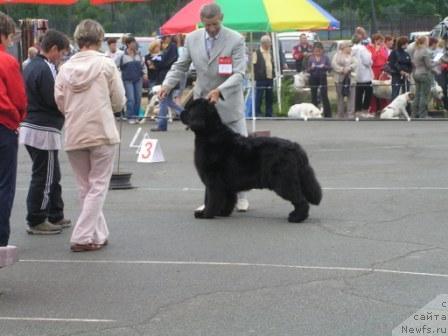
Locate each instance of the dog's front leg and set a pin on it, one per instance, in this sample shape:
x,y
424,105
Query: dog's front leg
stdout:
x,y
213,201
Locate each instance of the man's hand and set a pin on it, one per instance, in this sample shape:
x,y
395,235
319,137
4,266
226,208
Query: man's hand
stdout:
x,y
163,92
214,96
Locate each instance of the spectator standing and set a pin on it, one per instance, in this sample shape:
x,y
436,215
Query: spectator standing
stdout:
x,y
380,55
12,112
363,76
88,91
301,52
41,134
112,50
168,57
131,64
318,67
423,77
401,67
344,65
151,59
263,62
389,43
32,52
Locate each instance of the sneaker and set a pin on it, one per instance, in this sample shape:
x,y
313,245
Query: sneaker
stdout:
x,y
242,205
132,121
200,208
157,130
8,255
44,228
64,223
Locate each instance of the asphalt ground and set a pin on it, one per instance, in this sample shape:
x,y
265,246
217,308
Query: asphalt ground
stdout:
x,y
371,255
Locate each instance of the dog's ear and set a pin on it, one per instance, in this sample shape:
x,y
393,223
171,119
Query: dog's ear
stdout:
x,y
190,104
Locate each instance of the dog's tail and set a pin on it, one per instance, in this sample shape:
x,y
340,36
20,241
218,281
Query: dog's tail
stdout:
x,y
310,186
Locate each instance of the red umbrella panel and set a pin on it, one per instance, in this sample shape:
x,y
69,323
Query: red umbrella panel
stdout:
x,y
105,2
184,21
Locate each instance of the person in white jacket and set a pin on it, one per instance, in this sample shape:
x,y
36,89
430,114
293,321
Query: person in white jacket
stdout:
x,y
88,90
364,76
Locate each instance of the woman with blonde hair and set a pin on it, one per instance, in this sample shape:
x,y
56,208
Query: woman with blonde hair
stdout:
x,y
344,65
88,90
423,77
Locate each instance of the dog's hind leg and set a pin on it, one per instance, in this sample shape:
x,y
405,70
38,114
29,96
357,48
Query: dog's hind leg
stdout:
x,y
228,205
214,198
291,191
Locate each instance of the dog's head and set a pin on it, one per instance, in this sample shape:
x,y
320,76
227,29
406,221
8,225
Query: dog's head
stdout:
x,y
437,92
201,116
410,96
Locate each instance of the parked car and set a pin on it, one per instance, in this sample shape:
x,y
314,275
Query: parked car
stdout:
x,y
414,35
441,29
289,40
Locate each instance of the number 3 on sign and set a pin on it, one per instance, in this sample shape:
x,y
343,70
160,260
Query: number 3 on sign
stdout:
x,y
150,151
147,147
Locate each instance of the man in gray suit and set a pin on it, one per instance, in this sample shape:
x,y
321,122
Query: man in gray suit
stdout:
x,y
218,54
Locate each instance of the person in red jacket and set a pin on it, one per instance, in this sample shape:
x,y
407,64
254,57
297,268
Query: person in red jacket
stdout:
x,y
12,112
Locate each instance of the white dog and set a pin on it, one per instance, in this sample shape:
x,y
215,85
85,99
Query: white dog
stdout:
x,y
305,111
151,108
436,91
301,80
398,107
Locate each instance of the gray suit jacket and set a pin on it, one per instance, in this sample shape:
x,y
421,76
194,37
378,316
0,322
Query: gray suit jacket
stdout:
x,y
229,43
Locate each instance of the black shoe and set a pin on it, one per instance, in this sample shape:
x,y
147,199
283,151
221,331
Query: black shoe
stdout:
x,y
157,130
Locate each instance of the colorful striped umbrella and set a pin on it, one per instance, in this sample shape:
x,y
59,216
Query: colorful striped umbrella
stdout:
x,y
256,16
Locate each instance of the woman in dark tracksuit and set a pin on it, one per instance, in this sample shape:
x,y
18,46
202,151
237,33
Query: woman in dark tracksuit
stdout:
x,y
318,66
401,67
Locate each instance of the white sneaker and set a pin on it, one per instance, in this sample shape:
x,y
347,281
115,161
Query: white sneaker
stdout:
x,y
242,205
200,208
8,255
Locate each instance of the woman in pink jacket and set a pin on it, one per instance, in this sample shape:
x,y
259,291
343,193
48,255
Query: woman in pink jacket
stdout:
x,y
88,90
379,57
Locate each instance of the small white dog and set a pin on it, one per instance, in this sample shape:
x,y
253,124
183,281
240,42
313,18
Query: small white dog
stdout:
x,y
151,108
398,107
305,111
436,91
301,80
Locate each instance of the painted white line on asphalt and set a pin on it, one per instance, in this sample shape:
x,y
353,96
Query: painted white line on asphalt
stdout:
x,y
211,263
187,189
48,319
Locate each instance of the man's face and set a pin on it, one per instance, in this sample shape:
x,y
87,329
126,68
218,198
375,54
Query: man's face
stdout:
x,y
55,55
213,25
303,39
113,47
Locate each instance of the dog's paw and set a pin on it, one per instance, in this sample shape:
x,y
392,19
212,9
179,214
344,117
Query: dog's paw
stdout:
x,y
297,217
199,214
202,214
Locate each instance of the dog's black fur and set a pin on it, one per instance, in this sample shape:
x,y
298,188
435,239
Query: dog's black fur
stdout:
x,y
228,163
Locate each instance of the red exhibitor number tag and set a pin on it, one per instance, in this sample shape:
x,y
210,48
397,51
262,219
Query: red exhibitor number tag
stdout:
x,y
225,66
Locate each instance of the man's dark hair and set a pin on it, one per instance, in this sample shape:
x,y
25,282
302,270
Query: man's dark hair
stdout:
x,y
54,38
111,40
7,25
401,41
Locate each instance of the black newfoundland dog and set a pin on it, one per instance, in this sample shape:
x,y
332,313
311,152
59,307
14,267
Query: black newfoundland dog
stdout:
x,y
228,163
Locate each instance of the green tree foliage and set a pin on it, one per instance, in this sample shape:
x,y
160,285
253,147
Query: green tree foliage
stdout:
x,y
145,18
137,18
